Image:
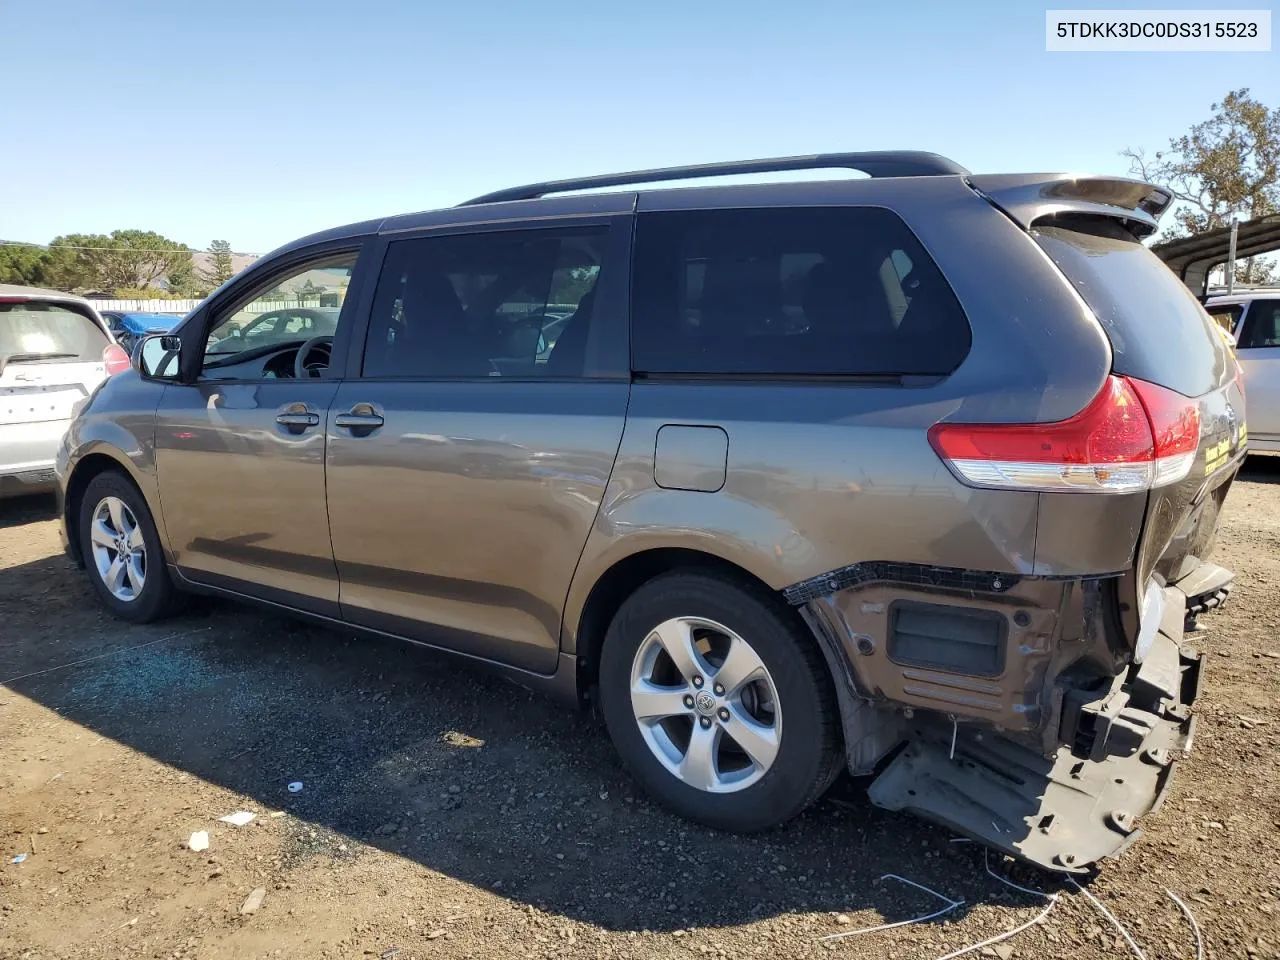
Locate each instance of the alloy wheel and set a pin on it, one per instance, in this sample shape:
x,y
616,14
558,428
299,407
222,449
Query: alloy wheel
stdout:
x,y
706,705
119,550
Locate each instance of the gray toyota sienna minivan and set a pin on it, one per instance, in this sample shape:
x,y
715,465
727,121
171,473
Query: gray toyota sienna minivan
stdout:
x,y
906,474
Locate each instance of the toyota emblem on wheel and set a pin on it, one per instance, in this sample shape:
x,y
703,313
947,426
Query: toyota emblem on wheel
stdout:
x,y
705,703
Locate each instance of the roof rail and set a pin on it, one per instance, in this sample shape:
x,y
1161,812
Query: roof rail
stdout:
x,y
876,163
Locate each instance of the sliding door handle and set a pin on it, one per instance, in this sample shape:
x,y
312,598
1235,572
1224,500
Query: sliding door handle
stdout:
x,y
361,420
354,420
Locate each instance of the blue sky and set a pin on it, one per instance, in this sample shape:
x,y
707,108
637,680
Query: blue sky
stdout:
x,y
258,122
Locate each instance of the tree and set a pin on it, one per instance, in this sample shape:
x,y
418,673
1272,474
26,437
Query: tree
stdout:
x,y
1228,165
183,281
220,268
24,264
124,259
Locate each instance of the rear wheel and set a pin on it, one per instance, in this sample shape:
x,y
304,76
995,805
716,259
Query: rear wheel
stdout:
x,y
122,551
718,702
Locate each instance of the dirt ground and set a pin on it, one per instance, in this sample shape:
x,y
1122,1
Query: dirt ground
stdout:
x,y
446,813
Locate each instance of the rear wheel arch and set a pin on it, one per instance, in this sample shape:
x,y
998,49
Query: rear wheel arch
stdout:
x,y
788,767
630,573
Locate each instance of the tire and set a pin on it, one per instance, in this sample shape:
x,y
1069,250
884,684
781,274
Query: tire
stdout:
x,y
740,793
115,496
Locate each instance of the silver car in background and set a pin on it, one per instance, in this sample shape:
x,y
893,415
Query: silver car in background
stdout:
x,y
54,351
1253,319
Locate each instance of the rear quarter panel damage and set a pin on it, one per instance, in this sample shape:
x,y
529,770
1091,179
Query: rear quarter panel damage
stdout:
x,y
1039,629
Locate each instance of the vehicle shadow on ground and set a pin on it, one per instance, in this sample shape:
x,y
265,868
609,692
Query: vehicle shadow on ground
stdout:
x,y
30,508
1261,469
439,762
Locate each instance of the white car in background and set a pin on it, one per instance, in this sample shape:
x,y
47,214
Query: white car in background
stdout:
x,y
54,351
1253,318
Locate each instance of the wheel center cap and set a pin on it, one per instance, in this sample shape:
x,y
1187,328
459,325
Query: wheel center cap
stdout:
x,y
705,703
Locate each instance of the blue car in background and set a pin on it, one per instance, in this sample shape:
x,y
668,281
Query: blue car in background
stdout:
x,y
129,327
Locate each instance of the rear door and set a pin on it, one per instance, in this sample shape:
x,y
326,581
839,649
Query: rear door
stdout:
x,y
51,357
468,453
1259,351
1161,335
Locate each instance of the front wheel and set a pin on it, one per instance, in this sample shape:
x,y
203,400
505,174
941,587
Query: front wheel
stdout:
x,y
719,702
122,551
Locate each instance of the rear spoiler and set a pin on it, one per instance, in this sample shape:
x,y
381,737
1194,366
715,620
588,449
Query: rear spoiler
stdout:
x,y
1028,197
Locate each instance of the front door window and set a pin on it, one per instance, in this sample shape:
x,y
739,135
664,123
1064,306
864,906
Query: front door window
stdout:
x,y
297,307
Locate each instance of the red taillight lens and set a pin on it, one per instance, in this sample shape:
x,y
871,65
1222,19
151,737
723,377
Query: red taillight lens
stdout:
x,y
1133,435
115,359
1175,425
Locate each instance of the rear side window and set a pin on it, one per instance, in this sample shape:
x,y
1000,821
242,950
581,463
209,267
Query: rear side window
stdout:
x,y
1158,330
31,331
832,291
501,304
1261,325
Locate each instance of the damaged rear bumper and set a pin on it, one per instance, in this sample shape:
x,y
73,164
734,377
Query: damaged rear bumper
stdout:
x,y
1068,810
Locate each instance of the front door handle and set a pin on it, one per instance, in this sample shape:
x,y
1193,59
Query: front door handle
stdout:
x,y
361,420
296,418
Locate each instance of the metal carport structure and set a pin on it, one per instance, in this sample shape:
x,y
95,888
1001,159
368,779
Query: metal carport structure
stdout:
x,y
1192,258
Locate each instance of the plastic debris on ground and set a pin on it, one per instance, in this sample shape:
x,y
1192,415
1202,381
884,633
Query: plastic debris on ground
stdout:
x,y
199,841
295,787
238,819
19,858
253,901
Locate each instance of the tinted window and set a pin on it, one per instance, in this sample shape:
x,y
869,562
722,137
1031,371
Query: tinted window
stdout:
x,y
32,331
1261,325
831,291
513,304
1158,330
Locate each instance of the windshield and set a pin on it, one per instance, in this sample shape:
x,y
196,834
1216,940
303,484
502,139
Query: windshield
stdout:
x,y
32,331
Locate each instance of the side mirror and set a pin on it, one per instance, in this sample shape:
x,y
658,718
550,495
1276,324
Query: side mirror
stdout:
x,y
156,357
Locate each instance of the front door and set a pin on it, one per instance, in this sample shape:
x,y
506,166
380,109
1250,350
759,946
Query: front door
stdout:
x,y
1259,354
240,452
468,456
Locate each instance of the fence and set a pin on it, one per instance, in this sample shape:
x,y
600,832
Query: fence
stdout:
x,y
186,306
147,306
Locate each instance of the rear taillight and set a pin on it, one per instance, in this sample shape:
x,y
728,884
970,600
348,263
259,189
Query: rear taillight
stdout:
x,y
1132,436
1175,427
115,359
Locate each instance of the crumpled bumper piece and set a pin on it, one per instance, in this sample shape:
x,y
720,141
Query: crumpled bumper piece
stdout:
x,y
1207,587
1063,812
